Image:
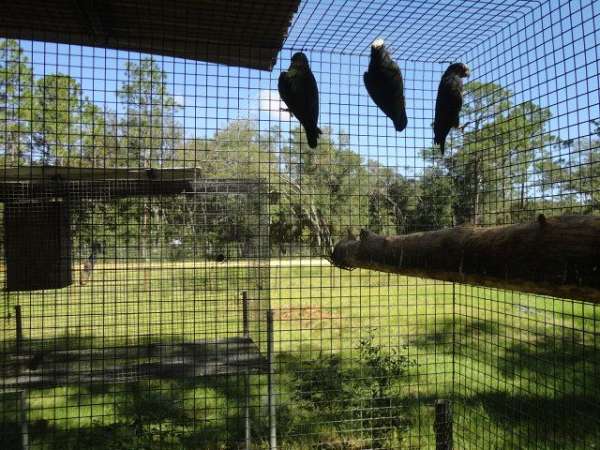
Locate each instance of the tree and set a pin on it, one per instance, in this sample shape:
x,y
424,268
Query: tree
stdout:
x,y
150,132
57,117
149,135
322,188
526,141
576,176
15,102
494,156
389,200
469,167
99,137
239,151
433,208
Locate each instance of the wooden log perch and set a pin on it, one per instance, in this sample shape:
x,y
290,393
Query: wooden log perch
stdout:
x,y
558,256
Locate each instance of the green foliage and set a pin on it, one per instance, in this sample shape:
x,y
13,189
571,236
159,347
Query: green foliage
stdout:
x,y
320,190
382,367
495,155
356,394
57,116
149,130
147,406
389,207
484,179
322,383
16,88
576,175
432,209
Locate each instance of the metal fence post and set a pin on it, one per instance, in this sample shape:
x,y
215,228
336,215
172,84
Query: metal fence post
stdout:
x,y
247,425
270,382
23,420
15,412
245,314
443,425
19,338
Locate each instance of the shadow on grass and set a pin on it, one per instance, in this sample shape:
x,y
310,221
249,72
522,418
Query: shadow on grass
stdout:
x,y
533,393
539,387
170,412
563,357
147,415
441,335
537,421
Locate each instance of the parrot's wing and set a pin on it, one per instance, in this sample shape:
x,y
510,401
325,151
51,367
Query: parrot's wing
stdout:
x,y
393,76
376,92
312,99
301,95
285,92
448,104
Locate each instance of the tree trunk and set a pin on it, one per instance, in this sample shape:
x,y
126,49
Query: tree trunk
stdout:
x,y
522,200
478,183
557,256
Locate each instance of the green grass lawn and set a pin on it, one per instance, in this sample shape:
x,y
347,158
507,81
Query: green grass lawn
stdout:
x,y
361,358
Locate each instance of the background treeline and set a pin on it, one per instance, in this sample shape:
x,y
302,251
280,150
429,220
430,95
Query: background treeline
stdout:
x,y
501,167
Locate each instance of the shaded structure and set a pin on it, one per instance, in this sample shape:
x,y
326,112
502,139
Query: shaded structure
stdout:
x,y
39,200
43,213
37,245
36,367
240,33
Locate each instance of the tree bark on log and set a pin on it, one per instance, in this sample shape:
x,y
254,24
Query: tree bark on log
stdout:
x,y
558,256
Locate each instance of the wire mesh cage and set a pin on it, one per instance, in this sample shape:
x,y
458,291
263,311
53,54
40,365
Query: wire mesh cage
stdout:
x,y
176,249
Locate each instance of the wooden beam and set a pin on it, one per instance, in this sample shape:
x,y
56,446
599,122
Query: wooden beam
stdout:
x,y
90,190
43,183
559,256
233,32
93,17
62,173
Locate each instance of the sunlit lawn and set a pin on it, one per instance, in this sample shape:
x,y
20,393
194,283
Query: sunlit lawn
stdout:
x,y
510,352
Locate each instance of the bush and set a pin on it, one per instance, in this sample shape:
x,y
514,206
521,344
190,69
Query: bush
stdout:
x,y
361,394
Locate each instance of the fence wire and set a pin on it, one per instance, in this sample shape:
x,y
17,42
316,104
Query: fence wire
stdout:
x,y
167,233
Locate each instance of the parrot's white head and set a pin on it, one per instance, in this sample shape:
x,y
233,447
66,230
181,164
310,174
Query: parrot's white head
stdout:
x,y
377,43
459,69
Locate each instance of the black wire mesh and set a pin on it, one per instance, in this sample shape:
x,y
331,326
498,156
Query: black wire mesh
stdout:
x,y
525,364
426,31
184,292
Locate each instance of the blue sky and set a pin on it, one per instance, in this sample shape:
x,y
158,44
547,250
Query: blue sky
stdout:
x,y
549,56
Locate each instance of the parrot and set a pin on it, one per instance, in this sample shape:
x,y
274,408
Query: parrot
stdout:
x,y
449,102
298,89
384,84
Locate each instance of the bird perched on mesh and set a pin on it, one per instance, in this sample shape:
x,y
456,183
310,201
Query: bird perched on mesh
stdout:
x,y
449,102
298,89
384,84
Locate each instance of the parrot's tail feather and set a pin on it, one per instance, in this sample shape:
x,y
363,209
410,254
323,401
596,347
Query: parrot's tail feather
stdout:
x,y
440,141
312,136
401,123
